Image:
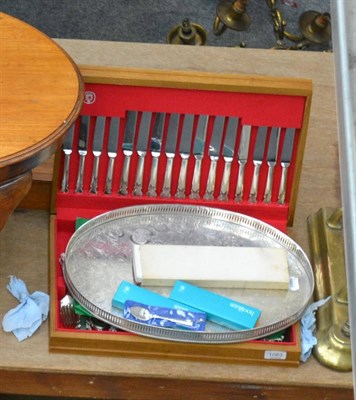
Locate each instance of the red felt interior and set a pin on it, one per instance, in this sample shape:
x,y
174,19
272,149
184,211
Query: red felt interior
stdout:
x,y
270,110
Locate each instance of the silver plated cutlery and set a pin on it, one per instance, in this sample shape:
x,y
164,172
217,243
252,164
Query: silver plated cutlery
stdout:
x,y
198,151
155,148
98,139
141,147
127,148
214,153
170,151
67,150
257,161
242,160
286,158
228,155
82,150
184,152
112,151
272,154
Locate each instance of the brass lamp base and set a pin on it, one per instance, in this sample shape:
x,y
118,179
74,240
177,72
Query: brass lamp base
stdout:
x,y
333,348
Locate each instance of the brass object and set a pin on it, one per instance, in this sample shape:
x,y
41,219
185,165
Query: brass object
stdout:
x,y
231,14
333,348
279,25
187,33
315,26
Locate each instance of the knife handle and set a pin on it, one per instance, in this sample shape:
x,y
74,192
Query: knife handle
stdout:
x,y
268,190
283,184
139,176
166,191
79,185
108,183
65,179
194,194
240,181
182,178
94,178
153,178
210,186
254,186
125,174
225,183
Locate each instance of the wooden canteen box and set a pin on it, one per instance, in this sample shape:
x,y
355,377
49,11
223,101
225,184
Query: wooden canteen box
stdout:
x,y
277,106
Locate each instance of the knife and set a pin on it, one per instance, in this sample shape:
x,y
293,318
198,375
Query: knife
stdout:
x,y
82,150
127,148
184,152
286,158
156,147
214,152
141,148
272,153
198,151
97,148
257,161
170,150
112,151
242,160
67,150
228,154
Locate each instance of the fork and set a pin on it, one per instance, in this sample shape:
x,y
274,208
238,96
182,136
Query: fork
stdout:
x,y
67,314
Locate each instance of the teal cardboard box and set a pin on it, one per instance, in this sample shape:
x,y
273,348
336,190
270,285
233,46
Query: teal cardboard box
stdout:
x,y
219,309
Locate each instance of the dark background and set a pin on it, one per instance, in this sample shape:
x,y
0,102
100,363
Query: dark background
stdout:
x,y
149,21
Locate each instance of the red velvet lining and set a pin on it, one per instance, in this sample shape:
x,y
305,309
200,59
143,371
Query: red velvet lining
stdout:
x,y
114,101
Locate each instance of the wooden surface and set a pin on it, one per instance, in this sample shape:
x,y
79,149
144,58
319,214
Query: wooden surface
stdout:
x,y
43,373
41,94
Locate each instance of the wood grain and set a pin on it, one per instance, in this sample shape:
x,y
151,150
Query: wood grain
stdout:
x,y
11,192
41,95
108,377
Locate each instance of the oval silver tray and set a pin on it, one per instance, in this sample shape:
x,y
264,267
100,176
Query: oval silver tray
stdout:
x,y
99,256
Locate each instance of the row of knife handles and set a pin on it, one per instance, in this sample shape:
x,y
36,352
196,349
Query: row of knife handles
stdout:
x,y
263,153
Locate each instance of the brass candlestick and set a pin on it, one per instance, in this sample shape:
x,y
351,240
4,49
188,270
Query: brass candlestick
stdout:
x,y
315,26
233,15
187,33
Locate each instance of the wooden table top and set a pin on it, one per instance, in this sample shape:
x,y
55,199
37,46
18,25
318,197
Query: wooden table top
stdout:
x,y
47,373
41,93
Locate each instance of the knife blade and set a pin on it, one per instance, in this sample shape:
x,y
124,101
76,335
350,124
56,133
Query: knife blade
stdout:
x,y
184,152
141,148
170,150
242,160
272,153
228,155
112,151
82,150
97,148
67,150
198,151
287,152
127,148
155,148
214,153
257,161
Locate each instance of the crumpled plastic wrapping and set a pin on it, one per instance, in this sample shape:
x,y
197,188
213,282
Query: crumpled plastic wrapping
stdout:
x,y
164,317
26,318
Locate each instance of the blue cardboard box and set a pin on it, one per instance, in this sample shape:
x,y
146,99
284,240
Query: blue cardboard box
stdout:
x,y
219,309
129,291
